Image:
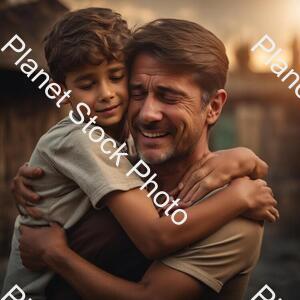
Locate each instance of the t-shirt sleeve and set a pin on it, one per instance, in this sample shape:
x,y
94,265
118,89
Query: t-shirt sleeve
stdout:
x,y
82,160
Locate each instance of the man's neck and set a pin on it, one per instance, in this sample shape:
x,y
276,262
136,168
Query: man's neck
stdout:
x,y
171,172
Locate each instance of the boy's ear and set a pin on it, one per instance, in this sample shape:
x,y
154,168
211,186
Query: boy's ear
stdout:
x,y
215,106
64,89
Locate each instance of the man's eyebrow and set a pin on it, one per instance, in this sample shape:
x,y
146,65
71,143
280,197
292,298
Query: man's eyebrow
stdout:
x,y
136,86
167,89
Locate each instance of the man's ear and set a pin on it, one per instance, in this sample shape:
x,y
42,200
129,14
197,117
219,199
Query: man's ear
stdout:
x,y
215,106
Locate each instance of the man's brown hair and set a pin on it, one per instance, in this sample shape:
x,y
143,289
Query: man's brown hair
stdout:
x,y
85,36
183,44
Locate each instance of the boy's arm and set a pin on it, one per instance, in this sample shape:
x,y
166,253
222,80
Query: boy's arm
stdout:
x,y
217,169
213,171
157,237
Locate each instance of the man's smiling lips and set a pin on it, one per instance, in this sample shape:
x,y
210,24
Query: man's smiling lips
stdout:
x,y
152,136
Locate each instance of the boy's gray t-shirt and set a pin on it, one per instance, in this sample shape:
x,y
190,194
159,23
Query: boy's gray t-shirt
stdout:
x,y
78,174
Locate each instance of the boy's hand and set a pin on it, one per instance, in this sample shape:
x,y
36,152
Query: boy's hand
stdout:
x,y
22,190
258,198
38,244
216,170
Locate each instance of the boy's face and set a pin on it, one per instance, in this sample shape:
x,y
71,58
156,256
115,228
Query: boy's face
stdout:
x,y
103,88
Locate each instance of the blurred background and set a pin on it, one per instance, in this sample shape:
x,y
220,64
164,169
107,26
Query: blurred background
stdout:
x,y
261,112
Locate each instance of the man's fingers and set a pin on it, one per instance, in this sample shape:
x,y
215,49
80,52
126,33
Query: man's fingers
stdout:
x,y
21,228
26,192
24,229
34,212
26,181
30,172
55,225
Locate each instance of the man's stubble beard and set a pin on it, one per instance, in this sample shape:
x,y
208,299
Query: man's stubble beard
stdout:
x,y
160,159
169,156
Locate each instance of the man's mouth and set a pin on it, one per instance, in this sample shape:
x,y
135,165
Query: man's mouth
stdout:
x,y
154,134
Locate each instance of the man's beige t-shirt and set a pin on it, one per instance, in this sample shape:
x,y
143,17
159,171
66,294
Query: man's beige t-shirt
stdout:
x,y
224,260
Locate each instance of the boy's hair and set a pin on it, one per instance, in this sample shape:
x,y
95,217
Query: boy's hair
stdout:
x,y
186,45
85,36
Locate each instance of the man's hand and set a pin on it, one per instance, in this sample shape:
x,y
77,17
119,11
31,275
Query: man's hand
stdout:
x,y
39,244
258,197
217,169
22,190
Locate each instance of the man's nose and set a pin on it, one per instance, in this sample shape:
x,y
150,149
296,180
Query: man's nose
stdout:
x,y
106,91
150,110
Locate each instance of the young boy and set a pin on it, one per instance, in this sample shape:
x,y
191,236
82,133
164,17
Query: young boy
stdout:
x,y
84,54
78,172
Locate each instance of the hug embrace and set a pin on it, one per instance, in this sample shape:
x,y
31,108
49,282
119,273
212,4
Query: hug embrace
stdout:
x,y
88,231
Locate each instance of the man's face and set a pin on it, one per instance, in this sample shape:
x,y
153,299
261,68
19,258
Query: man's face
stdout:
x,y
165,114
103,88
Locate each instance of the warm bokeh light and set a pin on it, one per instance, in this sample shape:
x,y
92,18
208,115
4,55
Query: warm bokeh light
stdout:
x,y
246,23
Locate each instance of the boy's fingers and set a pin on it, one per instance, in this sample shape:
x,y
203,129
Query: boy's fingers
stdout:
x,y
196,173
261,170
199,194
274,212
189,182
202,187
34,212
184,204
270,217
175,191
262,182
30,172
195,167
191,193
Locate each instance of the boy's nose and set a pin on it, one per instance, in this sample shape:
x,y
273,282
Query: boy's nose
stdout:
x,y
105,92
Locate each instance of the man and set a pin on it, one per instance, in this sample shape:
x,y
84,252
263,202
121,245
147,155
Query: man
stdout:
x,y
178,72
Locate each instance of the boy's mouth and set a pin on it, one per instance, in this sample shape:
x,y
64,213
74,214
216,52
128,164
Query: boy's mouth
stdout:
x,y
108,109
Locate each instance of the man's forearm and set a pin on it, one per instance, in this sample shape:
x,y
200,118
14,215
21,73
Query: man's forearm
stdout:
x,y
90,282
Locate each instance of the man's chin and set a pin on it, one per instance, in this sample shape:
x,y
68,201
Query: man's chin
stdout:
x,y
155,157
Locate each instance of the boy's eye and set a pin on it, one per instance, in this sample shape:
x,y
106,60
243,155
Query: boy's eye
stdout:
x,y
87,86
117,77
